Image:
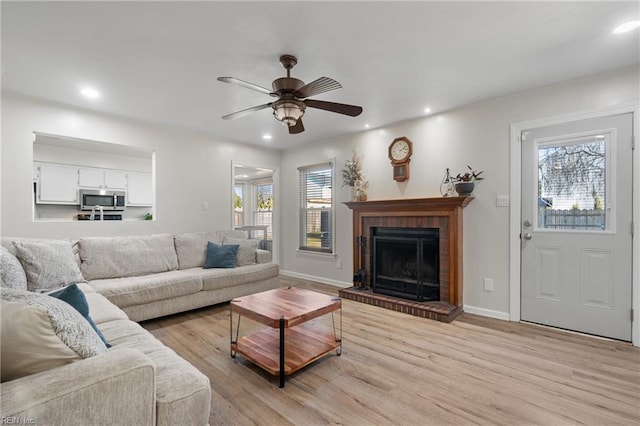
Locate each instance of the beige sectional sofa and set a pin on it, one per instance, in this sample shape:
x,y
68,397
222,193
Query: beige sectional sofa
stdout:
x,y
138,380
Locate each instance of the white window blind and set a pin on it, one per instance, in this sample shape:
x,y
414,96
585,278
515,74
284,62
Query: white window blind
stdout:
x,y
316,207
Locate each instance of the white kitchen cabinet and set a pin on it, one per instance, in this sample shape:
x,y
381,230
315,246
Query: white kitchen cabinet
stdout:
x,y
57,184
102,179
139,189
90,178
115,179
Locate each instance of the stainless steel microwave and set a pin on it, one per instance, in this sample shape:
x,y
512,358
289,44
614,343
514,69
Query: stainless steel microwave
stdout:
x,y
109,200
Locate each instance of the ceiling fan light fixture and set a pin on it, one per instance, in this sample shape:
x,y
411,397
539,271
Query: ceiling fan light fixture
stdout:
x,y
288,111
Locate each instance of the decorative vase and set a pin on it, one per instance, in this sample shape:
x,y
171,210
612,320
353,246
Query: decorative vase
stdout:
x,y
361,195
465,189
353,193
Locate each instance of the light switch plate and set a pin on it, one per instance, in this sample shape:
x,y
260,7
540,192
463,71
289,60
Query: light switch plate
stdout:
x,y
502,201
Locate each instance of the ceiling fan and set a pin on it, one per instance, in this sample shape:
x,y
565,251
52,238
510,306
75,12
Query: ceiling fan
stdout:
x,y
292,97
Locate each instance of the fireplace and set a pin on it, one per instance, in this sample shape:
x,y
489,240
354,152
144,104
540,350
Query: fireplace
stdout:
x,y
406,263
433,291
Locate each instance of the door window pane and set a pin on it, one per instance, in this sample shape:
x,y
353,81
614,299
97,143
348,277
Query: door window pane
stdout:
x,y
263,215
238,205
572,184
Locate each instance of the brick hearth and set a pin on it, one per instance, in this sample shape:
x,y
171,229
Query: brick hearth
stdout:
x,y
444,213
439,311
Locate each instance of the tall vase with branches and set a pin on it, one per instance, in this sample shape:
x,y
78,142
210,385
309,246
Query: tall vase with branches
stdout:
x,y
353,177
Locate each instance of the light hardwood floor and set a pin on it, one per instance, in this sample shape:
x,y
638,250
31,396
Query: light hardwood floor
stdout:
x,y
397,369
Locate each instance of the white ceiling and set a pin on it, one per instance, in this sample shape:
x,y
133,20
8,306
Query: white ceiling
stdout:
x,y
158,61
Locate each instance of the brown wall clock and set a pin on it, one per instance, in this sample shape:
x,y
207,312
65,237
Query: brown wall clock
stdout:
x,y
400,152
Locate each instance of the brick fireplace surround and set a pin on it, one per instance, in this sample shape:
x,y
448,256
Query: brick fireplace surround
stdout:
x,y
444,213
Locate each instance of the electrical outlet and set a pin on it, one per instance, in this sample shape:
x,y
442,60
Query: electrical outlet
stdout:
x,y
205,206
338,263
488,284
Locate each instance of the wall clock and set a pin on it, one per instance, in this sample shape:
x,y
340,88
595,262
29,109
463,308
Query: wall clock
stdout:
x,y
400,152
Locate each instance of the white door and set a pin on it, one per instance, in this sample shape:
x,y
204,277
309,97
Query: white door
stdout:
x,y
576,231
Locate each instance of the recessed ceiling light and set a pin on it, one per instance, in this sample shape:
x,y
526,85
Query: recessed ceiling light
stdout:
x,y
626,27
266,137
427,110
90,92
366,126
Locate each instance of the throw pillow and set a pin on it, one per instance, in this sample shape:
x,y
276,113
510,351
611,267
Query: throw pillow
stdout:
x,y
29,343
220,256
246,250
191,248
35,339
75,297
128,256
48,264
13,275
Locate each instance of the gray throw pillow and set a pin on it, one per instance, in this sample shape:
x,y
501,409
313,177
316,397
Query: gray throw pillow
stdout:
x,y
13,275
247,250
48,264
68,324
130,256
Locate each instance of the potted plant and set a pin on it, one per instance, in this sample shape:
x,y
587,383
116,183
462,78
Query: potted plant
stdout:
x,y
465,182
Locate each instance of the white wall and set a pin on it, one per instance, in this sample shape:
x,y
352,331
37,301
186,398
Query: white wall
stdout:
x,y
478,135
190,168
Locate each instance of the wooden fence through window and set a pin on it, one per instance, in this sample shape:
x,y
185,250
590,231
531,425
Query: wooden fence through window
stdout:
x,y
571,219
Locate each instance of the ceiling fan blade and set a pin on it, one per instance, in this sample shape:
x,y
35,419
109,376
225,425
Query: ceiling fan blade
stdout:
x,y
297,128
237,82
351,110
321,85
244,112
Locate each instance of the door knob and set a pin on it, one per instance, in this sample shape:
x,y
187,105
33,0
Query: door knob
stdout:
x,y
528,236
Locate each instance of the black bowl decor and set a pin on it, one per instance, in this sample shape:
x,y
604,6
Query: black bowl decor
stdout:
x,y
465,188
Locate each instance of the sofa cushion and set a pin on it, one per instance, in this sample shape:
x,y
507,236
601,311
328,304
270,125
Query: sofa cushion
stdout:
x,y
131,291
221,256
191,248
114,257
48,264
214,279
68,326
181,389
102,310
12,273
246,251
75,297
229,233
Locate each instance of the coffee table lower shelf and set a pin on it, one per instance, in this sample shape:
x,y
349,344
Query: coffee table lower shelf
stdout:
x,y
303,345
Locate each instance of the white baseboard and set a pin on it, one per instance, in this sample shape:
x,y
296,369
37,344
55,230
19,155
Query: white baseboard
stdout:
x,y
486,312
322,280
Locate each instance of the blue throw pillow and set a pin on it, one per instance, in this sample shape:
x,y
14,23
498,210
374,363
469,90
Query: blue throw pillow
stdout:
x,y
75,297
221,256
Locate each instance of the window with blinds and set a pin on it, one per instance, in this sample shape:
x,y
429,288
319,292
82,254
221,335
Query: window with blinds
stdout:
x,y
316,207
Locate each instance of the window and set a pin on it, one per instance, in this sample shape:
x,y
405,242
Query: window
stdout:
x,y
238,205
572,184
316,207
263,214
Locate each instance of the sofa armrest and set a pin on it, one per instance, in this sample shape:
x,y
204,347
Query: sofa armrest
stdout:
x,y
263,256
118,386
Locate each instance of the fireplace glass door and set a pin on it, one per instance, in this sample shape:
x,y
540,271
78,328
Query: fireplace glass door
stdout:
x,y
406,263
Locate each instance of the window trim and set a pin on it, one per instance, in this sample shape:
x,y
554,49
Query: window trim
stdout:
x,y
311,250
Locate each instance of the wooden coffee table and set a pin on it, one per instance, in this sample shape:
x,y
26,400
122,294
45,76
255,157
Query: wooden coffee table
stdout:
x,y
288,344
